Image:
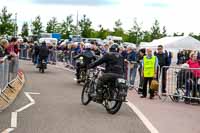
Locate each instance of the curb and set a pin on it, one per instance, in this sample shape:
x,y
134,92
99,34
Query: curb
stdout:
x,y
8,96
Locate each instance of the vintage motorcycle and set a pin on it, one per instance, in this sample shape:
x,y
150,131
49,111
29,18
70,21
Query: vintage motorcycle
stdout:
x,y
114,94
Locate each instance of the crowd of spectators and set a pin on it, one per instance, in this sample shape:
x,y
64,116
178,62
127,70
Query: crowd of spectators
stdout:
x,y
136,60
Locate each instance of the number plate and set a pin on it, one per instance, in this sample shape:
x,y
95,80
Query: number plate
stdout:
x,y
121,80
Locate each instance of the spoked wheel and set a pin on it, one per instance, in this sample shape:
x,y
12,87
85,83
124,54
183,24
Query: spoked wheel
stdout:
x,y
85,97
113,106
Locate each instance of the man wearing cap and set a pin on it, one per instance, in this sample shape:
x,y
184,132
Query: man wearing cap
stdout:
x,y
149,69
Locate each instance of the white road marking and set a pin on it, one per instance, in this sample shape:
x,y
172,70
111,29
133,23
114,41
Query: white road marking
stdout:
x,y
14,114
24,107
143,118
14,119
8,130
33,93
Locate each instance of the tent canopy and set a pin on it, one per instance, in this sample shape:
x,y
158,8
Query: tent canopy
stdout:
x,y
180,42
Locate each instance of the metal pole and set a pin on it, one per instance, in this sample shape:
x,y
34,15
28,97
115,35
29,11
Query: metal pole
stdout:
x,y
15,24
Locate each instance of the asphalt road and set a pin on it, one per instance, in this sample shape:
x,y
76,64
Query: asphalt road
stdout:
x,y
58,108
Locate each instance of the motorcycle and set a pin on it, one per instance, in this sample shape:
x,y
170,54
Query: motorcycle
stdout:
x,y
42,66
82,71
114,94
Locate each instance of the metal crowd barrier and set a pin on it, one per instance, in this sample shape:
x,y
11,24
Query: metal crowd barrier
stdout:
x,y
24,54
8,72
134,76
66,58
181,83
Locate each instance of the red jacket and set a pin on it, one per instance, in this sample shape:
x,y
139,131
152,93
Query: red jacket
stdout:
x,y
13,48
194,64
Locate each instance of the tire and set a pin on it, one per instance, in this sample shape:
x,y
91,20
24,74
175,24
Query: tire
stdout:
x,y
176,98
85,90
115,108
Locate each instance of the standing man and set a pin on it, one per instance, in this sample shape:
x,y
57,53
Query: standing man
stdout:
x,y
163,60
132,58
149,69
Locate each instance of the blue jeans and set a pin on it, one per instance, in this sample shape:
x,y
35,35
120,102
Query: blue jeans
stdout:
x,y
133,74
192,86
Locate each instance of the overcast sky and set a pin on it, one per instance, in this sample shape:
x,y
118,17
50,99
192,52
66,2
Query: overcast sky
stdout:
x,y
176,15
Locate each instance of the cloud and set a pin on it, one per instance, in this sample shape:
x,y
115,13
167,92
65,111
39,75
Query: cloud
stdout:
x,y
77,2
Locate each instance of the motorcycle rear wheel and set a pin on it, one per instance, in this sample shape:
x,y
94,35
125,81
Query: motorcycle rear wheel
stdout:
x,y
115,107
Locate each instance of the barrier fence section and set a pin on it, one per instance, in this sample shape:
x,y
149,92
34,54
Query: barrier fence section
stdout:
x,y
134,74
25,53
8,72
181,83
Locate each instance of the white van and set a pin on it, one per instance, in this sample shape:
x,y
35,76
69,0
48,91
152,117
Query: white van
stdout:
x,y
52,41
115,39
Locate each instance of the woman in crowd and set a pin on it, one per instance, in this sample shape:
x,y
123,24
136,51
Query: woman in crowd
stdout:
x,y
192,83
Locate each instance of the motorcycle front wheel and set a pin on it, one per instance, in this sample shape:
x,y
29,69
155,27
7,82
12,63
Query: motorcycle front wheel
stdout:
x,y
85,96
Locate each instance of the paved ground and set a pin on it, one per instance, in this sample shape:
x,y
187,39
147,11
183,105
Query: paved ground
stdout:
x,y
58,109
168,116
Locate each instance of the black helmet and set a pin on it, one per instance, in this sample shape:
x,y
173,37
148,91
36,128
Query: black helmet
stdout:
x,y
43,43
114,48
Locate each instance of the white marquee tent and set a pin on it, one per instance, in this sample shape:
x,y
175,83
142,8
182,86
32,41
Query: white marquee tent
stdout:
x,y
174,44
180,42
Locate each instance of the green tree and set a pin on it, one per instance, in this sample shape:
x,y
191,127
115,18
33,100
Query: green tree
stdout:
x,y
25,29
118,30
37,26
164,32
102,33
52,26
197,37
135,34
178,34
85,25
146,36
155,31
66,27
7,25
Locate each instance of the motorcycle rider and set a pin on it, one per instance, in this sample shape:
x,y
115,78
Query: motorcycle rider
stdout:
x,y
43,54
114,69
88,56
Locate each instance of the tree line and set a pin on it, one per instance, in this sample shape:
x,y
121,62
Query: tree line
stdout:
x,y
84,27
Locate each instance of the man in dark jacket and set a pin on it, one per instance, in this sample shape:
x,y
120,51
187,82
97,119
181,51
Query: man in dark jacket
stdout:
x,y
163,60
132,59
43,53
36,50
88,57
113,69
